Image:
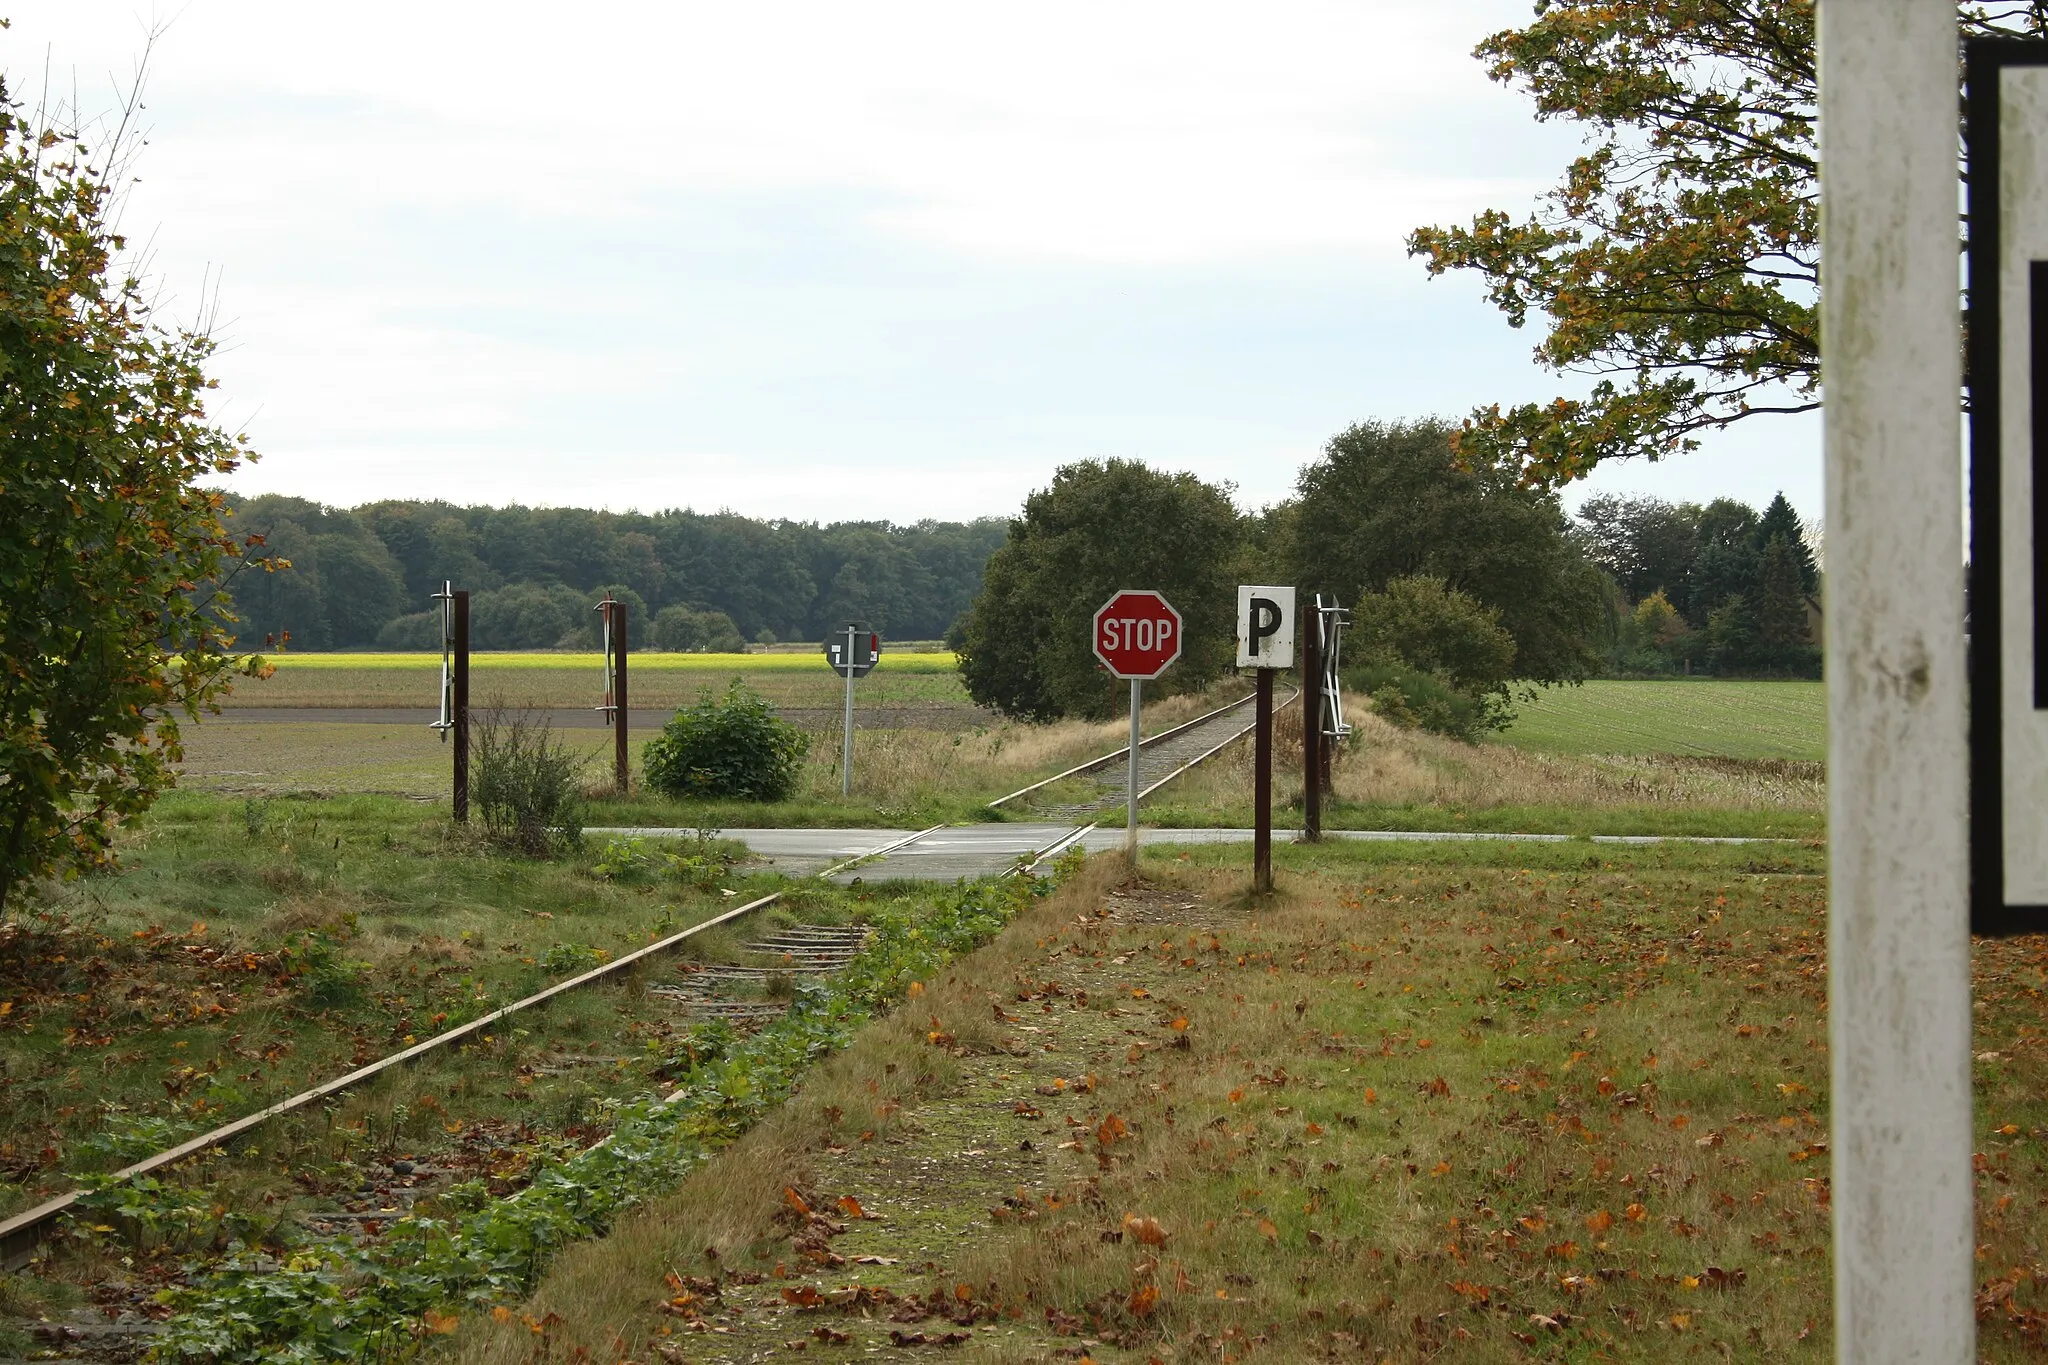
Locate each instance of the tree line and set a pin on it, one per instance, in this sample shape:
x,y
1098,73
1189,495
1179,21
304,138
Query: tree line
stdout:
x,y
363,577
1465,580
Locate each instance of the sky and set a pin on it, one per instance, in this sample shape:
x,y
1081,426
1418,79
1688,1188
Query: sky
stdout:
x,y
824,261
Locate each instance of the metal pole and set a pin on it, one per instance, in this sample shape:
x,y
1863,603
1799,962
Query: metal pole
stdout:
x,y
846,759
461,716
1131,776
1898,879
1262,784
1312,727
622,764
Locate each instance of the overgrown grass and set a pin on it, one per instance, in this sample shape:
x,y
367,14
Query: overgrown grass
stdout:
x,y
1390,778
249,948
1567,1104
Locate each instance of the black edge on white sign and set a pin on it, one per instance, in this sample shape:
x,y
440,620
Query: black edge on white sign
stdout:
x,y
2007,375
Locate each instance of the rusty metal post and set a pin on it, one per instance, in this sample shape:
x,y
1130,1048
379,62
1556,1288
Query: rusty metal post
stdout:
x,y
461,716
1262,784
1312,728
622,762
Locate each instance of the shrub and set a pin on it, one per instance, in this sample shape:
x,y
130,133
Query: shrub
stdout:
x,y
731,746
1423,701
526,784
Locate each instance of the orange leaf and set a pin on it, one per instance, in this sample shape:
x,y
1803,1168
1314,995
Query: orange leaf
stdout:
x,y
1145,1230
1237,1094
802,1295
1180,1025
1372,1096
850,1206
795,1200
1598,1223
1635,1213
441,1324
916,989
1268,1231
1441,1169
1111,1129
1143,1300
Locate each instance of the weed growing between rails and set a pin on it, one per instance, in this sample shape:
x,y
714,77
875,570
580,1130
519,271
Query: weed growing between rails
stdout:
x,y
332,1300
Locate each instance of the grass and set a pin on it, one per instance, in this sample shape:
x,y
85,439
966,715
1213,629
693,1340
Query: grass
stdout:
x,y
250,948
1695,718
1390,778
659,662
1483,1104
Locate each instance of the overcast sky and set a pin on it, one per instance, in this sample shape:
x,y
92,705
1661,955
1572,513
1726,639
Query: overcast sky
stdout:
x,y
826,261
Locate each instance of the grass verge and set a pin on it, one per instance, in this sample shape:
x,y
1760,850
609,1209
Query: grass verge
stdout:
x,y
1490,1104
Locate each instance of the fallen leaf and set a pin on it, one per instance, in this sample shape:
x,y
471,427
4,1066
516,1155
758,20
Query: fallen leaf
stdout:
x,y
1145,1230
1143,1300
1597,1223
1268,1230
795,1200
850,1206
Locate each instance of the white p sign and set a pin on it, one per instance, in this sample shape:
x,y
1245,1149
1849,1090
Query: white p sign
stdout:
x,y
1265,627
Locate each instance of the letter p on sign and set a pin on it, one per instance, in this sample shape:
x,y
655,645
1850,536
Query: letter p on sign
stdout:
x,y
1265,627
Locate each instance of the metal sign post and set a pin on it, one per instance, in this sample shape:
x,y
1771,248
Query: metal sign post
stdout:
x,y
1898,815
852,655
1312,730
1265,641
1137,635
612,621
454,712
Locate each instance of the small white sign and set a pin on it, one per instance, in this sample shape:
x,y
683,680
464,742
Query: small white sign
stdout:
x,y
1265,627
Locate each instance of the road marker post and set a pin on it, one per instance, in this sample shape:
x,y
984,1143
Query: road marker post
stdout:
x,y
1265,641
1136,635
1898,815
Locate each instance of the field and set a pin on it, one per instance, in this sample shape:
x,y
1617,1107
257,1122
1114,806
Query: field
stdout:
x,y
577,680
1693,718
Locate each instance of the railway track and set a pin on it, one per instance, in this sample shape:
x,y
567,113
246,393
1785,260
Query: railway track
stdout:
x,y
1161,758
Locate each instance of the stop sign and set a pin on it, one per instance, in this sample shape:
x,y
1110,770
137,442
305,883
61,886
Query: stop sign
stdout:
x,y
1137,634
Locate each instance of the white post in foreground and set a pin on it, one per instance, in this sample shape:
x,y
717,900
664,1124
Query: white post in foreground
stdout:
x,y
1131,777
1898,923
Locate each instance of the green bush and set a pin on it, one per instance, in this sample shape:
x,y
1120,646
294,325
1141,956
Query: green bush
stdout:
x,y
731,747
527,784
1423,701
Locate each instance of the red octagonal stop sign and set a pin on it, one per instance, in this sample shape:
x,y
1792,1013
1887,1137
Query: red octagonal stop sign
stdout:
x,y
1137,634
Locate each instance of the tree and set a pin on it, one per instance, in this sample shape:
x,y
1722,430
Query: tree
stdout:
x,y
1679,260
112,623
1388,500
1102,525
1647,545
1780,522
1425,623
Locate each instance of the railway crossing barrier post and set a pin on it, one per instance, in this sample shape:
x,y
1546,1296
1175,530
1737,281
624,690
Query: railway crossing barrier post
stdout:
x,y
612,619
460,687
1265,641
453,715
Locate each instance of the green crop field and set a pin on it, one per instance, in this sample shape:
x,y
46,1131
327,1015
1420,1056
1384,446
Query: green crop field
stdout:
x,y
1690,717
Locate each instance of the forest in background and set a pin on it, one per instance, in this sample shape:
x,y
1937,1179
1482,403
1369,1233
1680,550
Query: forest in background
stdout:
x,y
363,577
